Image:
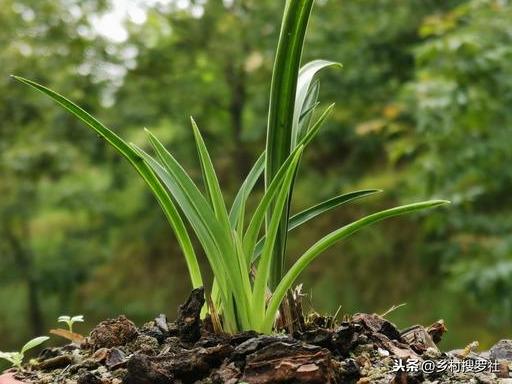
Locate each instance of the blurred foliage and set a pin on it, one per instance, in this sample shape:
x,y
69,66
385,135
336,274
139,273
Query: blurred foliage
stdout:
x,y
422,111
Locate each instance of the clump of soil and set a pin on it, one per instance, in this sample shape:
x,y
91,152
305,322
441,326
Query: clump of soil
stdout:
x,y
364,348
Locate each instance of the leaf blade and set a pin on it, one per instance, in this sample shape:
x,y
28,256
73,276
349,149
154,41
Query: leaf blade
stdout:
x,y
329,240
235,214
34,343
210,177
151,180
282,103
264,266
306,76
318,209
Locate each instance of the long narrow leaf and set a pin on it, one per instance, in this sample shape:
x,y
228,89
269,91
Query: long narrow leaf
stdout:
x,y
306,75
219,232
201,223
318,209
254,227
192,194
211,180
198,223
235,215
149,177
309,106
282,103
325,206
327,242
258,168
263,271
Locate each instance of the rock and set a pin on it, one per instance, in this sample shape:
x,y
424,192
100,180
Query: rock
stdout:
x,y
113,333
256,343
282,362
144,344
115,359
502,350
346,336
100,355
194,364
437,330
227,374
88,378
319,336
419,339
142,371
161,323
189,321
377,324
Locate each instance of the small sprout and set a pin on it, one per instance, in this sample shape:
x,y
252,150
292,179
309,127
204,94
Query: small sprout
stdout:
x,y
71,320
16,358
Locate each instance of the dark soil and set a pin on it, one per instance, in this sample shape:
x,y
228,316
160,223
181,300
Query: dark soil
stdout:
x,y
361,349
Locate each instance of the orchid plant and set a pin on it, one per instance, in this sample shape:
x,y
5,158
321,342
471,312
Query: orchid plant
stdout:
x,y
246,250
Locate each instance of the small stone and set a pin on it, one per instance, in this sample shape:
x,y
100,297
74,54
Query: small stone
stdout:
x,y
113,333
432,353
145,344
150,329
142,371
161,322
502,350
100,355
504,370
115,359
437,330
377,324
88,378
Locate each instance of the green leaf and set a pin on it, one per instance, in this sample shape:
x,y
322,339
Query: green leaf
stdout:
x,y
316,210
188,195
200,227
306,75
7,356
328,241
325,206
282,103
78,318
15,358
263,271
258,217
188,199
210,177
215,236
149,177
34,343
309,106
237,209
